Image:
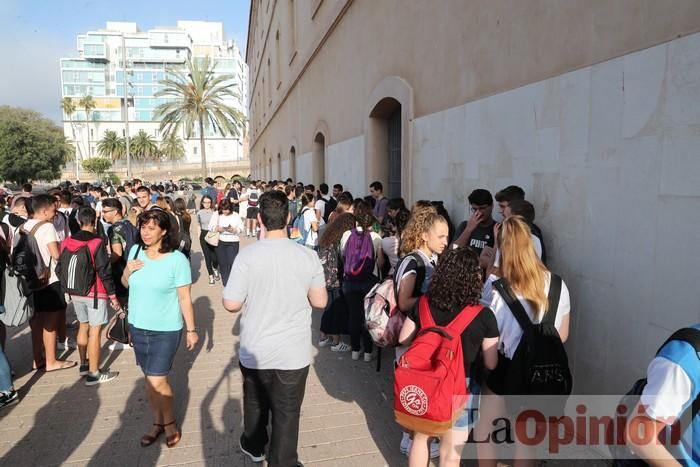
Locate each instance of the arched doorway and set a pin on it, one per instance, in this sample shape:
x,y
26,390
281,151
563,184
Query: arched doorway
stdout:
x,y
386,141
318,159
293,164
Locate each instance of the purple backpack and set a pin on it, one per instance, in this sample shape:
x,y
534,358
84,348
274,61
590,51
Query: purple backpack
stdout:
x,y
358,261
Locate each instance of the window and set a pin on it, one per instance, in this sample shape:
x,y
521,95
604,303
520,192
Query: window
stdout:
x,y
292,31
194,151
92,131
269,86
277,60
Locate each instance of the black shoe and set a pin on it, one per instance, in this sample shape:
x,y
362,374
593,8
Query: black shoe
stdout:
x,y
255,458
8,399
84,369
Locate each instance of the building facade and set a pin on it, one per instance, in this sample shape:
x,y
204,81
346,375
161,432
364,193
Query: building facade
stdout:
x,y
591,107
99,70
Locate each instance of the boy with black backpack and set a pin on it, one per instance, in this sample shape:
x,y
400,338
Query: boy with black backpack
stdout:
x,y
85,272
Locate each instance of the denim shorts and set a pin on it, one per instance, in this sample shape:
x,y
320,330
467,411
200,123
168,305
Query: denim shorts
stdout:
x,y
471,411
155,350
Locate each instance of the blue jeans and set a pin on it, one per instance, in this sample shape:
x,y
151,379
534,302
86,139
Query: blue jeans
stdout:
x,y
5,373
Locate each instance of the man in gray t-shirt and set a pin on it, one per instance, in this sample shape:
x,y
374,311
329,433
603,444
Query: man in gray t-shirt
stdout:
x,y
276,282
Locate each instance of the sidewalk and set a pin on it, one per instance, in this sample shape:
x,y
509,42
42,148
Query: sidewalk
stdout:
x,y
347,417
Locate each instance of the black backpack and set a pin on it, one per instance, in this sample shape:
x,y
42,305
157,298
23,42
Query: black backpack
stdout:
x,y
26,259
622,454
76,272
539,365
331,204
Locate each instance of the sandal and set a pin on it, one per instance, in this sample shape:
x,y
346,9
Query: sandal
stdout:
x,y
148,439
172,440
65,365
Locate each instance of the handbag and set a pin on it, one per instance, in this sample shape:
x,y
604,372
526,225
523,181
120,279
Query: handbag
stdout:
x,y
118,328
212,238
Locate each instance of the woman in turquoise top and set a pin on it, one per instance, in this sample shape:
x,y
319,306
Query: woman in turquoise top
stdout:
x,y
159,280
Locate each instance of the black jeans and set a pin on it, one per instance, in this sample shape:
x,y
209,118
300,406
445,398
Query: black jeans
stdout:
x,y
209,253
280,392
226,253
354,297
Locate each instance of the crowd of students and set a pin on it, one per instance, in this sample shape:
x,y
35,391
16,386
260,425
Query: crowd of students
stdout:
x,y
134,241
342,246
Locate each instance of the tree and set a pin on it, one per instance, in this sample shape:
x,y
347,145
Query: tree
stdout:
x,y
68,107
97,166
88,104
31,146
143,146
172,148
112,146
196,99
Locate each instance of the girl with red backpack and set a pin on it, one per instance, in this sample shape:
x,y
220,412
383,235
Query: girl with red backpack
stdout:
x,y
452,300
361,250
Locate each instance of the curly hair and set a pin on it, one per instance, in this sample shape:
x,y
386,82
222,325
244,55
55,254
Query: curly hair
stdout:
x,y
456,281
421,221
363,214
335,230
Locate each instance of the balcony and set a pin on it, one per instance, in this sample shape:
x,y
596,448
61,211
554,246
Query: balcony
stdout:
x,y
96,52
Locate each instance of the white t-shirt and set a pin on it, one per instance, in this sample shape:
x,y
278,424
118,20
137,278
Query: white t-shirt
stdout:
x,y
320,205
376,243
508,325
390,247
309,217
667,392
232,220
276,317
44,235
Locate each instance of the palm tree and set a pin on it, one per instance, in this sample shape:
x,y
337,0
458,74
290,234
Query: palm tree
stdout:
x,y
88,104
172,147
68,107
143,146
196,99
112,146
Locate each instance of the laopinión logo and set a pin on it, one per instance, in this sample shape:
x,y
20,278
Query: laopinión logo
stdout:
x,y
414,400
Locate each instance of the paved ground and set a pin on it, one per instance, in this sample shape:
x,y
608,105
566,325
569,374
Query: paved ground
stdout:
x,y
346,418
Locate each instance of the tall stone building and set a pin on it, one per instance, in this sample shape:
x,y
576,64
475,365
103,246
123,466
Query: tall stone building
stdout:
x,y
592,107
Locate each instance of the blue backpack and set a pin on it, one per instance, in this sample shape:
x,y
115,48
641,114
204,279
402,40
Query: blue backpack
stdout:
x,y
298,233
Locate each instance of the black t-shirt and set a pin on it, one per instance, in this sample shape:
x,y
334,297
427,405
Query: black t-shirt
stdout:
x,y
483,326
480,238
233,194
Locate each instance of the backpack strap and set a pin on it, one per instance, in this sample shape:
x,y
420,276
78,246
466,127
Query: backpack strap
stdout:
x,y
420,273
424,314
464,319
553,296
503,288
35,228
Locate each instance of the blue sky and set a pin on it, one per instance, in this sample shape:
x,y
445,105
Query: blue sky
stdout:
x,y
37,33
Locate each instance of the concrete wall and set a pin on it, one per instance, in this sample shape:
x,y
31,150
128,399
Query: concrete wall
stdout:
x,y
610,157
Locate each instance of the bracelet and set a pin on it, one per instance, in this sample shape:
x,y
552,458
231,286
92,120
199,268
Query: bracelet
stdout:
x,y
191,330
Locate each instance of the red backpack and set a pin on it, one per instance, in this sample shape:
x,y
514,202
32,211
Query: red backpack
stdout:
x,y
430,389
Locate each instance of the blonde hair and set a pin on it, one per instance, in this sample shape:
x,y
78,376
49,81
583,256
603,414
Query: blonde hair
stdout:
x,y
421,221
519,264
162,203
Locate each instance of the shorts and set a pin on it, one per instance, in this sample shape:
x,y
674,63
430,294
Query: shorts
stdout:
x,y
86,313
470,414
155,350
252,212
50,298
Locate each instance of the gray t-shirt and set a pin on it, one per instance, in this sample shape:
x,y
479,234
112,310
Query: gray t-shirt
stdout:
x,y
204,216
273,277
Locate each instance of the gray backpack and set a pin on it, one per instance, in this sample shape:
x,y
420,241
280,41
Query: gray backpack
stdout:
x,y
18,303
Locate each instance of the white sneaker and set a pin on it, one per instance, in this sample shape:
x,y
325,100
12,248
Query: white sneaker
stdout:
x,y
355,355
118,346
325,342
67,344
340,347
435,449
368,356
405,445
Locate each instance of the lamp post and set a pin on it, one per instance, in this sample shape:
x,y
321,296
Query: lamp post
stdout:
x,y
126,111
